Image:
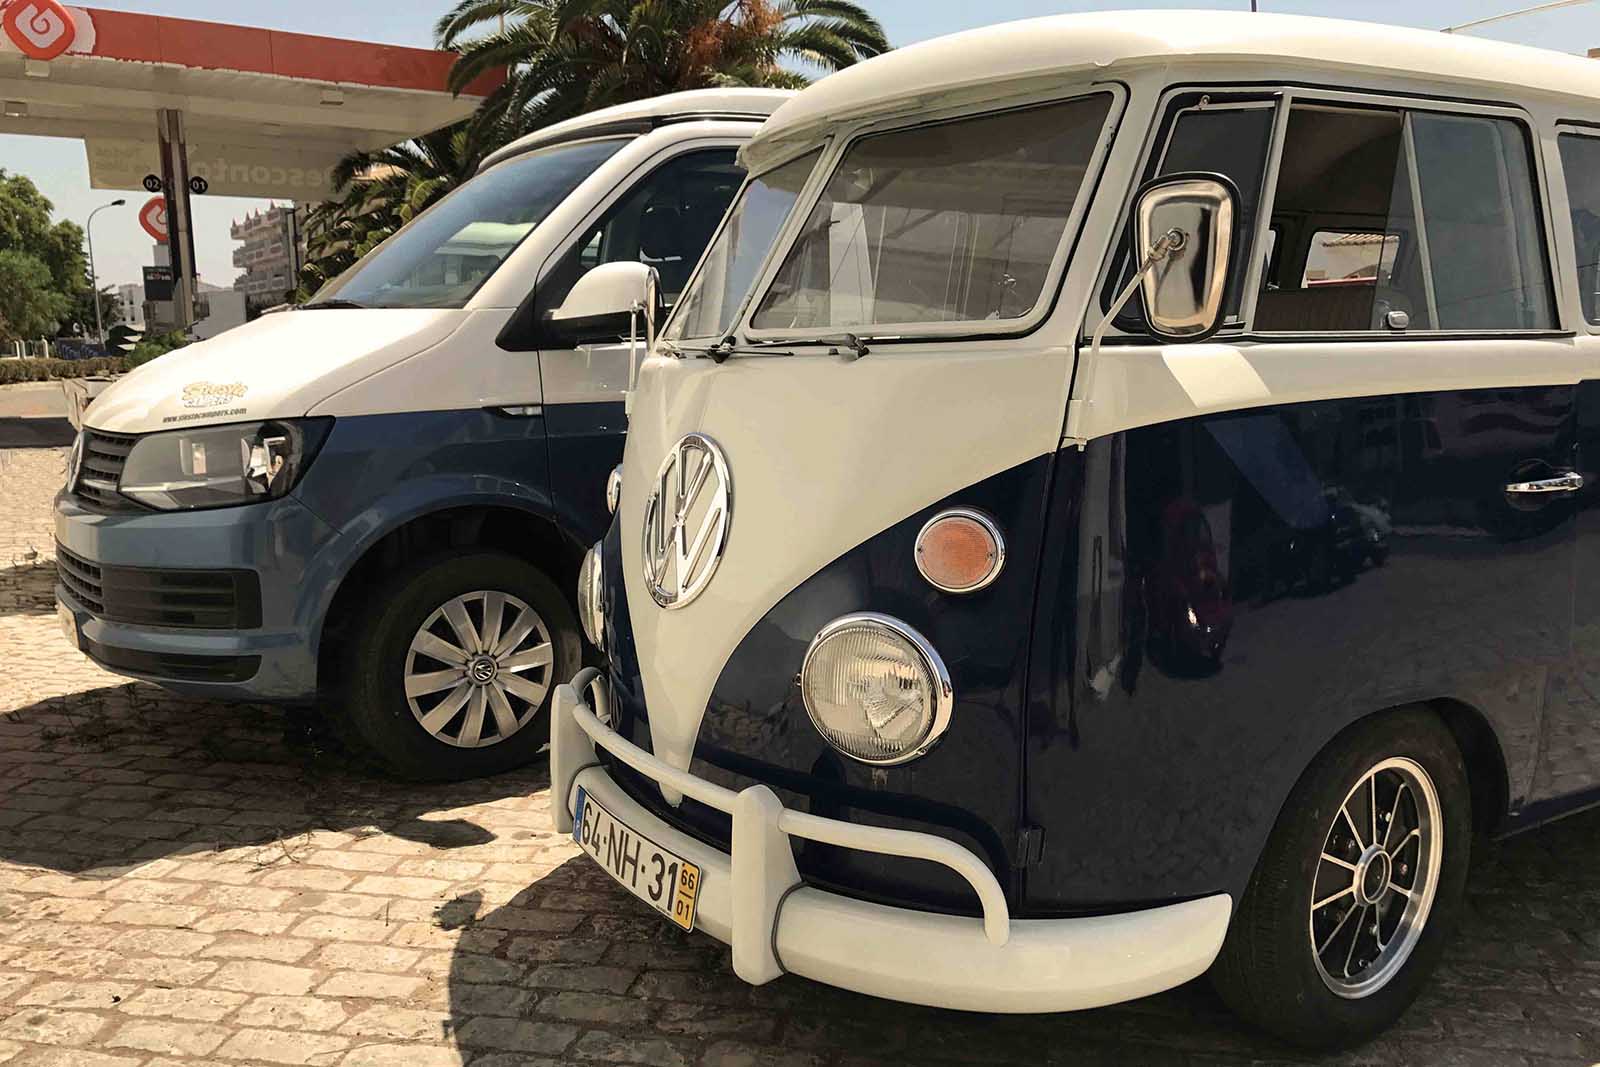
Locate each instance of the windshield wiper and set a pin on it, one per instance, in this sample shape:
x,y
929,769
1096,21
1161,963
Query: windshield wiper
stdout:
x,y
719,352
332,305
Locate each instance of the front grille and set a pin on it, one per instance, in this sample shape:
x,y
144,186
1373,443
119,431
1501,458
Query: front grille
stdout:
x,y
189,599
104,456
82,580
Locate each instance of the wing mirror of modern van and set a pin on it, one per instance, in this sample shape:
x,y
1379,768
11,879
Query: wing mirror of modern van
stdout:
x,y
1184,224
612,301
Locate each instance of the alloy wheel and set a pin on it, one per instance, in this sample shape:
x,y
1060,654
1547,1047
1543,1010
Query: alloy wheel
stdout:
x,y
1376,878
478,669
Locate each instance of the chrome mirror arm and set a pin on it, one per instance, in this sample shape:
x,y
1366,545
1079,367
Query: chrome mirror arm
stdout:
x,y
1169,246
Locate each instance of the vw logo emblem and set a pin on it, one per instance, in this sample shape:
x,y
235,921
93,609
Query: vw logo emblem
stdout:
x,y
686,521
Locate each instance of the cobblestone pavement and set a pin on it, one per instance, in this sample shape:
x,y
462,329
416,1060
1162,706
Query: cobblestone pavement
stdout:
x,y
186,883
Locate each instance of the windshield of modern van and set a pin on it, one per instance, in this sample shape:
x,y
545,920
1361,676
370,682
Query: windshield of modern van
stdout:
x,y
714,298
441,258
956,222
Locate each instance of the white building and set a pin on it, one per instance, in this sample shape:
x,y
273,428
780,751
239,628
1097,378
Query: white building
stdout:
x,y
130,304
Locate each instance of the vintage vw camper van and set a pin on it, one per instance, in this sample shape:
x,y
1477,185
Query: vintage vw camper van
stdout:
x,y
1114,504
380,500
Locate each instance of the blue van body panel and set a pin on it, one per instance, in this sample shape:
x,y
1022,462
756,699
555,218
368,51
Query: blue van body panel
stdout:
x,y
279,540
374,474
585,443
1346,556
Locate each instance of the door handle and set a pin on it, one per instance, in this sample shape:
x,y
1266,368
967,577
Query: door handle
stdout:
x,y
1570,482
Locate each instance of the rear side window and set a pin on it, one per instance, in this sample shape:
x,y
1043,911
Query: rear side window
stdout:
x,y
1580,159
1404,220
954,222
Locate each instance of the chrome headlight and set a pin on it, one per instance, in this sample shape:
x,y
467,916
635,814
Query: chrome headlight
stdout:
x,y
221,466
875,689
591,606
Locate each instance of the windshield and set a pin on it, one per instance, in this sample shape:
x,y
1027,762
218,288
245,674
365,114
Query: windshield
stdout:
x,y
715,296
957,222
440,258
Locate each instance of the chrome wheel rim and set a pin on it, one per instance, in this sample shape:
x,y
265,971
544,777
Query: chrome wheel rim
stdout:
x,y
1375,880
478,669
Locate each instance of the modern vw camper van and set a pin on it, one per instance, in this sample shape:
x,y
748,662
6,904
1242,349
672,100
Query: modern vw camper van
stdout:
x,y
1114,504
382,497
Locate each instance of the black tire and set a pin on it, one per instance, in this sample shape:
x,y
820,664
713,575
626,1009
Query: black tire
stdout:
x,y
1268,970
376,709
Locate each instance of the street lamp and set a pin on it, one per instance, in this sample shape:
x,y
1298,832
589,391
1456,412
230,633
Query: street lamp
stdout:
x,y
94,280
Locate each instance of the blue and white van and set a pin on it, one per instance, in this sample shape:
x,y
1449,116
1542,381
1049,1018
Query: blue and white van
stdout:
x,y
380,499
1116,504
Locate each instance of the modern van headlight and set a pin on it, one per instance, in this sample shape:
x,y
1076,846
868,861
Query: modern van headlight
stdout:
x,y
221,466
591,608
875,689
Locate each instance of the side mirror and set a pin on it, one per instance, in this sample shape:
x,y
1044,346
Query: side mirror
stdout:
x,y
612,301
1185,225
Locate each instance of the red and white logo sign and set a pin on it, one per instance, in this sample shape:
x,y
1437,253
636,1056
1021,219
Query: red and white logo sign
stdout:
x,y
41,29
153,217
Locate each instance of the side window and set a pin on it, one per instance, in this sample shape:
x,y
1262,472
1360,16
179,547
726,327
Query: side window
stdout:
x,y
1232,139
1394,220
666,220
1580,159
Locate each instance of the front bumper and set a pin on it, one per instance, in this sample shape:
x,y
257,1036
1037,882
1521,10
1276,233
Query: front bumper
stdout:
x,y
274,660
755,900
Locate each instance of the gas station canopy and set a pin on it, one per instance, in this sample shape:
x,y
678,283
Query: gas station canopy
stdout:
x,y
264,113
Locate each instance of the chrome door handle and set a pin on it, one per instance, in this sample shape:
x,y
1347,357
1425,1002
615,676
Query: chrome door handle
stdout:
x,y
1570,482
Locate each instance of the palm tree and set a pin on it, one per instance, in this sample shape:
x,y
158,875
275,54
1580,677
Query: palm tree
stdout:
x,y
566,57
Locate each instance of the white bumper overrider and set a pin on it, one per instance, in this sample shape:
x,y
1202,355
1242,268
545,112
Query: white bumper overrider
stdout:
x,y
755,900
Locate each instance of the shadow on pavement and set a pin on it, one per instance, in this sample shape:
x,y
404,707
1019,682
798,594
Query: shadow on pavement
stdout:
x,y
36,433
28,587
598,969
102,781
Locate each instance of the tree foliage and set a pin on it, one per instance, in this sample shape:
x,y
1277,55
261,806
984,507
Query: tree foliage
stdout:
x,y
567,57
564,58
43,273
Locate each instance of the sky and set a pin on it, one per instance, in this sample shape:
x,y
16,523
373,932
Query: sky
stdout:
x,y
60,170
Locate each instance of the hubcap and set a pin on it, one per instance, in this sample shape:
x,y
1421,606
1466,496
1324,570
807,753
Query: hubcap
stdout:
x,y
1376,878
478,669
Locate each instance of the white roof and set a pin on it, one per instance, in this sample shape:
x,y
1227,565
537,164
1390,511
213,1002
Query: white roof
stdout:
x,y
991,62
755,104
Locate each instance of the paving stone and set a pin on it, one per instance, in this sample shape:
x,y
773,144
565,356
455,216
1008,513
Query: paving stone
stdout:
x,y
282,1046
51,1026
371,985
204,1005
401,1024
269,978
291,1013
183,1038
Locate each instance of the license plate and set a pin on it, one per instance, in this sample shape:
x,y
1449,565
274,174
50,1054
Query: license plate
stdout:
x,y
670,884
69,624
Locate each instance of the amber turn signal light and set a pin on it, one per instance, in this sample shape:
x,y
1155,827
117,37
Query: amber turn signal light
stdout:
x,y
960,550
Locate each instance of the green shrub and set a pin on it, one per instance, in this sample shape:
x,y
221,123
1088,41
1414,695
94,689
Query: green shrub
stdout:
x,y
47,370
